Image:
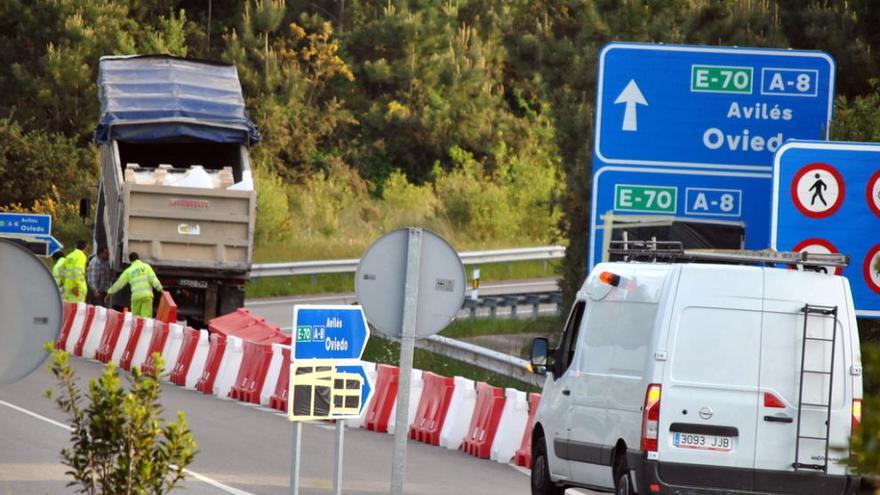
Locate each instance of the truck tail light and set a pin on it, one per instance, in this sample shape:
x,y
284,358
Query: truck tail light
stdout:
x,y
651,418
856,414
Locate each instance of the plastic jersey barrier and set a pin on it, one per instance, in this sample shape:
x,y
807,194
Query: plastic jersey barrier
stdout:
x,y
385,396
513,421
253,370
71,311
484,423
110,337
212,363
458,417
172,348
358,422
156,345
232,323
129,323
167,311
230,364
79,326
91,339
523,456
431,413
141,350
415,396
199,359
137,326
272,374
278,400
190,340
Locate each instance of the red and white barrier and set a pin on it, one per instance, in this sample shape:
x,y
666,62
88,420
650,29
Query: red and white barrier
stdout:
x,y
458,417
523,455
431,413
384,397
81,323
197,364
141,349
416,385
216,349
110,338
272,373
92,339
358,422
278,400
229,366
510,426
484,422
172,348
128,324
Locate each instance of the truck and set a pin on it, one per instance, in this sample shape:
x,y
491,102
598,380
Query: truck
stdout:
x,y
176,185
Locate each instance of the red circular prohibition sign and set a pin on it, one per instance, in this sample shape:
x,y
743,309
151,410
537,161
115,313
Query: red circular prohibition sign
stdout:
x,y
818,241
809,168
866,269
873,203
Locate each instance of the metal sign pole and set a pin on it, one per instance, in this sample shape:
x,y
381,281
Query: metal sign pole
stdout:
x,y
407,345
294,464
337,471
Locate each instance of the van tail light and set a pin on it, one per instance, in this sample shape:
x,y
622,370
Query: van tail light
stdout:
x,y
771,400
651,418
856,414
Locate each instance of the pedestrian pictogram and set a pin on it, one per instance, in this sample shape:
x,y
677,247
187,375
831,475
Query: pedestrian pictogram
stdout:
x,y
872,193
819,246
817,190
871,269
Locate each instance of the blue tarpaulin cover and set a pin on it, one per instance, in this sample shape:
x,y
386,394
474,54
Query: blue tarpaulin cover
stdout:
x,y
147,98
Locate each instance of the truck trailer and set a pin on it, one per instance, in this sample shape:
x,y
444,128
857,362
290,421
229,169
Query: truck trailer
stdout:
x,y
176,184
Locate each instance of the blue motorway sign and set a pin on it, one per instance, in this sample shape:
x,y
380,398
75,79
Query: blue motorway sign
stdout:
x,y
25,223
707,107
329,332
366,387
721,197
53,243
826,198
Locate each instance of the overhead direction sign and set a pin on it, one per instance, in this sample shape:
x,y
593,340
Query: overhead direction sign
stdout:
x,y
25,223
708,107
826,198
329,332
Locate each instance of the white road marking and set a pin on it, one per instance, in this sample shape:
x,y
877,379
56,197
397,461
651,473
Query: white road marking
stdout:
x,y
200,477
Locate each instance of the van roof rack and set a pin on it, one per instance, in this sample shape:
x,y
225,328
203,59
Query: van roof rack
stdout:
x,y
673,251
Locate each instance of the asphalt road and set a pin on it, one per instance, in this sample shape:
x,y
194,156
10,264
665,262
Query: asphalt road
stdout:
x,y
279,311
243,450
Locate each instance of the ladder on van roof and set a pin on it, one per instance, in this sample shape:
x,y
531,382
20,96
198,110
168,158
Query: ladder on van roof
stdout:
x,y
822,342
674,252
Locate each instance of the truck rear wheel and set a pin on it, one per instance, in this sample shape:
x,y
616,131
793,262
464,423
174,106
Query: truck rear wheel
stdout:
x,y
540,479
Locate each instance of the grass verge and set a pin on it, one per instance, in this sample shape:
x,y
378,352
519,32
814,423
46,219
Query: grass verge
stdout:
x,y
486,326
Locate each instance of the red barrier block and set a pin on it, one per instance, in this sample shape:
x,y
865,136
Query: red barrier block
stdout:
x,y
379,413
112,328
185,356
167,311
484,422
212,364
252,372
69,316
84,334
231,323
157,343
278,400
523,456
431,413
136,328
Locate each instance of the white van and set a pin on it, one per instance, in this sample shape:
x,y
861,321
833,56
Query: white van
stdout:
x,y
682,378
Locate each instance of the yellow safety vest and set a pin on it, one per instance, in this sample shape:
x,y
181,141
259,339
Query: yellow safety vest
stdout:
x,y
58,271
75,272
142,279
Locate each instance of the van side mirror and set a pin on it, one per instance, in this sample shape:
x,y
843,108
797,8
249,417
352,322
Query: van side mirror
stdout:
x,y
540,355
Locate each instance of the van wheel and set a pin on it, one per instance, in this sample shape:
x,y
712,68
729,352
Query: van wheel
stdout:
x,y
541,482
622,486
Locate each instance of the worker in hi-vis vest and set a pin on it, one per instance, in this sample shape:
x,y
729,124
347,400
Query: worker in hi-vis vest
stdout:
x,y
58,268
142,280
75,287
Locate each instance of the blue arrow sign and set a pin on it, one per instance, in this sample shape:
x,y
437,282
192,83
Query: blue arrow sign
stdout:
x,y
366,389
329,332
54,244
826,198
708,107
25,223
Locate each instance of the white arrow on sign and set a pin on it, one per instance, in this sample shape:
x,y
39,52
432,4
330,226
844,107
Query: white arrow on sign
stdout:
x,y
631,95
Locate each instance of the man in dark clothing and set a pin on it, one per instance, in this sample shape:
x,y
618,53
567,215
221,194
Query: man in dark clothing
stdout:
x,y
99,277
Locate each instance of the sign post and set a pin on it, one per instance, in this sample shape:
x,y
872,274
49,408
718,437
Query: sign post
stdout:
x,y
327,378
696,144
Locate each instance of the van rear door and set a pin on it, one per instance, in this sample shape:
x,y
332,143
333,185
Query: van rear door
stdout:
x,y
709,399
786,294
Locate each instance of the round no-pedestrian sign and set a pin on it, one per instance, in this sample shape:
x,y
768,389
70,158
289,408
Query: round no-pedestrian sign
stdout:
x,y
871,269
819,246
872,193
817,190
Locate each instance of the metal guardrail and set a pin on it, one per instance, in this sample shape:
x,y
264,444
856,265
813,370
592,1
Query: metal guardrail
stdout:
x,y
531,300
540,253
488,359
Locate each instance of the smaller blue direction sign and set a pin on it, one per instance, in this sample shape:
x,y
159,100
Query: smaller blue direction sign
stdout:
x,y
826,199
54,244
25,223
329,332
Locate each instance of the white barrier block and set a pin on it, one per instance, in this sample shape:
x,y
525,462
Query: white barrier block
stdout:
x,y
230,363
124,335
272,374
143,344
511,426
76,328
197,365
416,385
96,332
358,422
172,348
458,417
